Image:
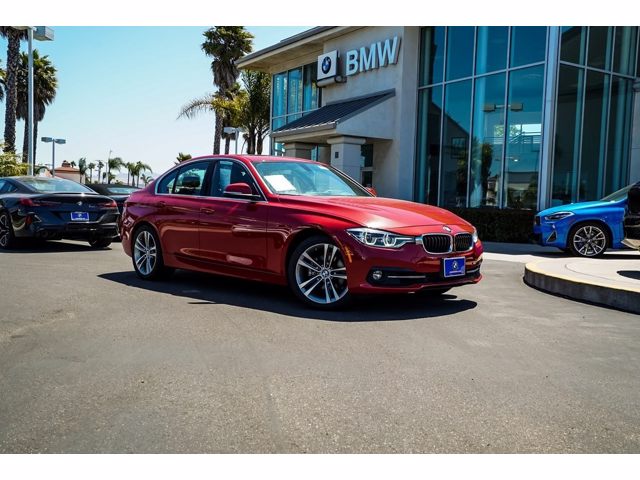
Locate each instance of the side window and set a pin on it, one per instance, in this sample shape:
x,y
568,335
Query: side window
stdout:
x,y
166,184
190,179
6,187
227,172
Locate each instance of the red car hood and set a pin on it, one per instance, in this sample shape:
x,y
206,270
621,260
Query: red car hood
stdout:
x,y
381,213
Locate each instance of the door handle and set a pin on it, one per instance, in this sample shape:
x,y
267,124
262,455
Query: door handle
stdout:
x,y
207,211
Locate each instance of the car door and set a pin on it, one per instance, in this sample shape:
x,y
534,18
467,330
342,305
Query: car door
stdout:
x,y
177,209
233,231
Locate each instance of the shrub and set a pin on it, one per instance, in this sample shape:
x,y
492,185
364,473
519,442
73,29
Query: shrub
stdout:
x,y
10,165
495,225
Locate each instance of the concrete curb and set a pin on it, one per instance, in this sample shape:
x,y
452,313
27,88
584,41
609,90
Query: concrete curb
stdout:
x,y
592,292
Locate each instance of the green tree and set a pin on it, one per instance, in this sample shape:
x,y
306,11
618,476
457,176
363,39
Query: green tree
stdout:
x,y
254,115
100,167
82,168
45,85
10,165
130,167
147,179
115,165
225,45
13,37
138,169
2,75
183,157
91,167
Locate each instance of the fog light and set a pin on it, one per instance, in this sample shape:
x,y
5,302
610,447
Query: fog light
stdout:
x,y
376,275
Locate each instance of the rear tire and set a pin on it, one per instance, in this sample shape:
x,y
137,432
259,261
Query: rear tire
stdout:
x,y
317,274
146,253
7,237
100,243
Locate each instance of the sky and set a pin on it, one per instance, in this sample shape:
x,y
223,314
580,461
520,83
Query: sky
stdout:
x,y
120,89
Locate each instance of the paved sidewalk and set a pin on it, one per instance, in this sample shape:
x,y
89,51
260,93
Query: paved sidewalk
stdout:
x,y
613,280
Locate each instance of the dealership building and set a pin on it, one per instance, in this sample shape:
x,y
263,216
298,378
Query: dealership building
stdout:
x,y
500,117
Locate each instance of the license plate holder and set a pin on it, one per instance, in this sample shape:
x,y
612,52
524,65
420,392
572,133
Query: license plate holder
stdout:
x,y
79,216
453,267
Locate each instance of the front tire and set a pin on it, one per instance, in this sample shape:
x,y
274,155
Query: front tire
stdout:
x,y
147,255
317,274
99,243
588,240
7,237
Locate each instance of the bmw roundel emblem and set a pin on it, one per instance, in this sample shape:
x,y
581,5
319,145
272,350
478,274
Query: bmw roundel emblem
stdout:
x,y
79,204
446,229
455,265
326,64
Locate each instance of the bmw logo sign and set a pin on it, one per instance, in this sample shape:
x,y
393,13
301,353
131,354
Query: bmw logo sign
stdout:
x,y
446,229
79,204
326,65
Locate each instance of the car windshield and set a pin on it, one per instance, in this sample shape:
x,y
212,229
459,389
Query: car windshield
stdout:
x,y
55,185
313,179
120,190
617,196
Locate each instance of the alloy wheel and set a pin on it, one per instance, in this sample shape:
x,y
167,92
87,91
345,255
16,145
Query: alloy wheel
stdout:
x,y
145,252
321,274
589,241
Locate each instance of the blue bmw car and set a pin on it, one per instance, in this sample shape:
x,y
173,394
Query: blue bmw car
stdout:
x,y
584,229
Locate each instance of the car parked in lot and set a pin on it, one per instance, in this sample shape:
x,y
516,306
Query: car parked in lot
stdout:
x,y
632,218
53,209
585,229
295,222
115,191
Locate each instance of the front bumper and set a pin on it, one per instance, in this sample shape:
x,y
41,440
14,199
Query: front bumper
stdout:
x,y
404,270
550,234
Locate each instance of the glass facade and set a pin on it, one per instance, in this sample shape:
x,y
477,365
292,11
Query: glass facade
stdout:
x,y
480,116
294,94
594,101
482,125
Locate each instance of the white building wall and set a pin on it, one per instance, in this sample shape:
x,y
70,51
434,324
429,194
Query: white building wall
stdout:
x,y
393,161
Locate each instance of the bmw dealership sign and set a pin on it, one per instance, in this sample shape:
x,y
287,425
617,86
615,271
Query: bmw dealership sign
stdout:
x,y
371,57
328,65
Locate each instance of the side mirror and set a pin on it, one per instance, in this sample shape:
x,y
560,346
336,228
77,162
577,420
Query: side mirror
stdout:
x,y
372,191
239,190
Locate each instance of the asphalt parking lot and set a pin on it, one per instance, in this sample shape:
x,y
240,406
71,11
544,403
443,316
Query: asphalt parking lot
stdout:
x,y
94,360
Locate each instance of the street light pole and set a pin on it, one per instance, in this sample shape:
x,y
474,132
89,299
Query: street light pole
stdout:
x,y
39,33
53,142
32,161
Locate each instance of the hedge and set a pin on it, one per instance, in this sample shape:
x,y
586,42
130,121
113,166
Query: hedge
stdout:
x,y
495,225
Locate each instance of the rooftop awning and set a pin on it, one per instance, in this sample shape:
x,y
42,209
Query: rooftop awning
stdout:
x,y
329,116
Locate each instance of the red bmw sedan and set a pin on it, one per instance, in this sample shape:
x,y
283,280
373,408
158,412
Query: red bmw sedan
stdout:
x,y
296,222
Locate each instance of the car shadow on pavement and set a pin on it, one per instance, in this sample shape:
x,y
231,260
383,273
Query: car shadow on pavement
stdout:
x,y
41,246
633,274
206,289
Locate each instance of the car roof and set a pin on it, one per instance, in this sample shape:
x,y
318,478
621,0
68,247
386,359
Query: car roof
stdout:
x,y
251,158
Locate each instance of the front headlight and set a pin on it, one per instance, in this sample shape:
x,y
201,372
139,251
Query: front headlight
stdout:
x,y
474,236
379,238
557,216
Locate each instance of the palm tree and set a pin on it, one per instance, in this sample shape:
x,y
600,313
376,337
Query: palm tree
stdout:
x,y
13,37
2,74
82,168
115,164
45,85
91,167
225,45
100,167
147,179
129,166
140,168
182,157
255,109
73,164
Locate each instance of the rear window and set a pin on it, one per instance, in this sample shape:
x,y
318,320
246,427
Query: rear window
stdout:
x,y
119,190
55,185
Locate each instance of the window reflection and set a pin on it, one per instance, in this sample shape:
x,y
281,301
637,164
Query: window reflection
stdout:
x,y
491,49
459,52
524,132
428,168
432,58
488,141
528,45
457,117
